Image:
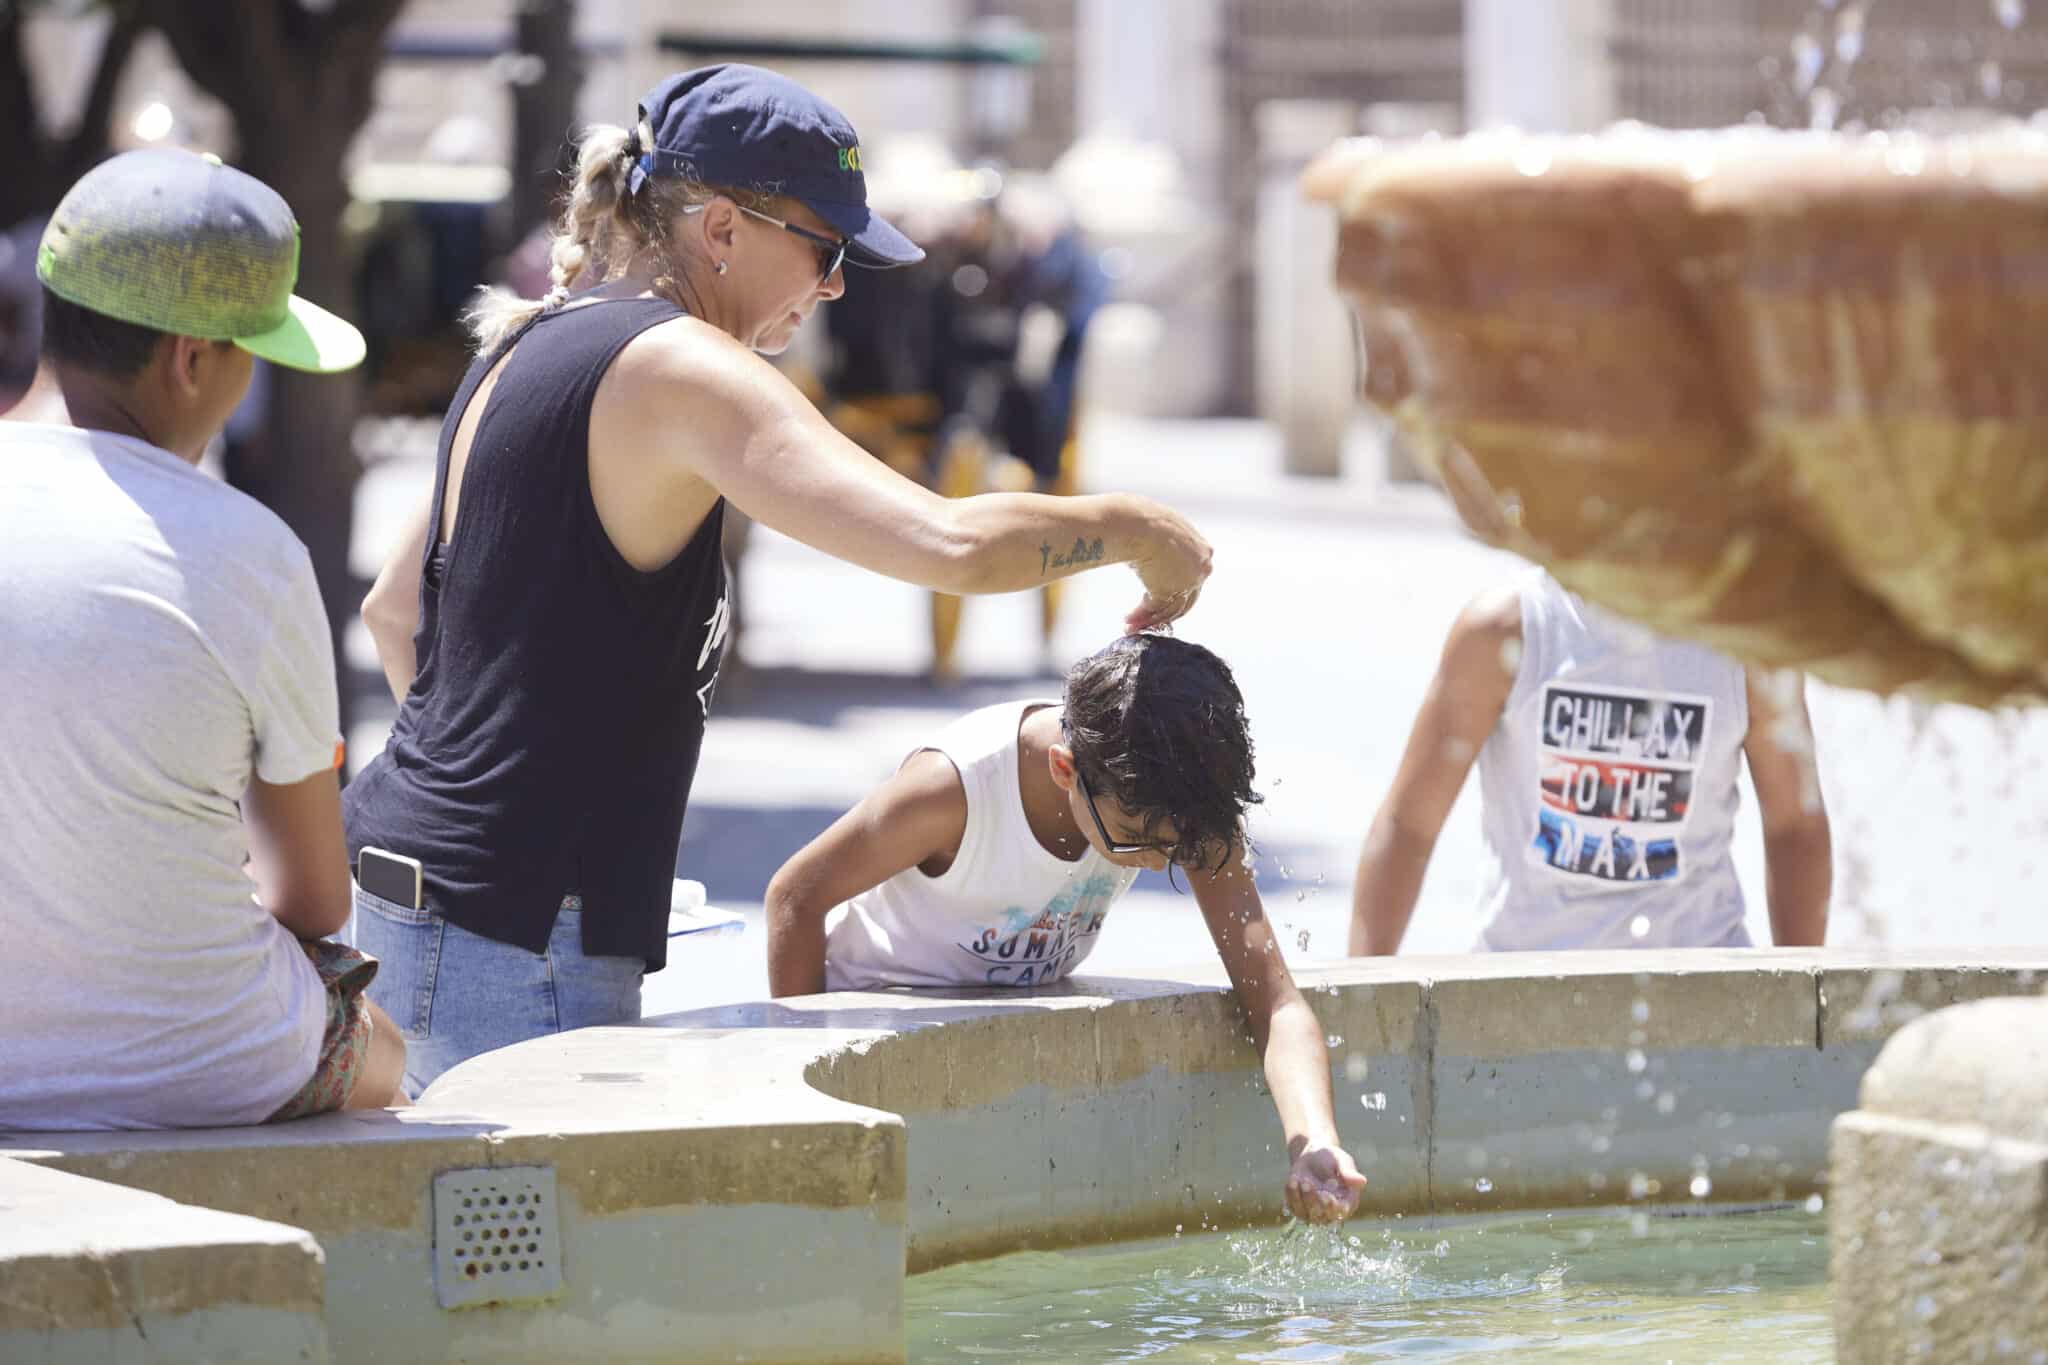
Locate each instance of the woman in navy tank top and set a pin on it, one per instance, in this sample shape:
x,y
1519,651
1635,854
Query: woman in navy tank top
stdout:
x,y
554,625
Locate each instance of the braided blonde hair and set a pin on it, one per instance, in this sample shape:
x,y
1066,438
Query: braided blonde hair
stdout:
x,y
603,228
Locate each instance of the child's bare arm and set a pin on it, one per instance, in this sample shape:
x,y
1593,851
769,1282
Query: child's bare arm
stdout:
x,y
1473,680
916,818
1322,1184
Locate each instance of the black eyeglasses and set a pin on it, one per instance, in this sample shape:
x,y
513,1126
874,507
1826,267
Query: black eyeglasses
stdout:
x,y
1108,843
831,250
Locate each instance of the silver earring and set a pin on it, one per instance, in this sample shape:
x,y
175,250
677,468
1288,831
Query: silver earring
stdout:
x,y
721,267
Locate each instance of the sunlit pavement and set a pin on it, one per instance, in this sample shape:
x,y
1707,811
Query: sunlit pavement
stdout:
x,y
1329,600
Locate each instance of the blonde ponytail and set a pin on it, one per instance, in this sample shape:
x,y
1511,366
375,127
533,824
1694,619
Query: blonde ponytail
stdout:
x,y
604,226
598,235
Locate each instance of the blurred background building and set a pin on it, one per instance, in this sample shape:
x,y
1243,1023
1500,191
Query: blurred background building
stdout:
x,y
1161,120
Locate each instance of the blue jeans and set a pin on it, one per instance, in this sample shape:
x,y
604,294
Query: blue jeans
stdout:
x,y
455,994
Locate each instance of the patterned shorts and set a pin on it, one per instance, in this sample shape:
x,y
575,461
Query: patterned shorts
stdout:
x,y
346,973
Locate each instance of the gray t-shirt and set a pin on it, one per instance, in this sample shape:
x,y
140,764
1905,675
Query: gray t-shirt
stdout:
x,y
161,640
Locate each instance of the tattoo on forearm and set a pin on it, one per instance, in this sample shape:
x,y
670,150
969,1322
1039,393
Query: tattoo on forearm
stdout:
x,y
1084,552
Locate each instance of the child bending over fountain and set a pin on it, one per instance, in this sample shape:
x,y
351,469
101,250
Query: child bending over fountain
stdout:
x,y
993,855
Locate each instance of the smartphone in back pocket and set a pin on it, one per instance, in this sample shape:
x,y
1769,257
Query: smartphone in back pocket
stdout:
x,y
389,876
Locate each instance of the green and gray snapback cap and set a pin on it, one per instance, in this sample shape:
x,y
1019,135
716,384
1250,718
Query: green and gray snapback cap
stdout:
x,y
177,241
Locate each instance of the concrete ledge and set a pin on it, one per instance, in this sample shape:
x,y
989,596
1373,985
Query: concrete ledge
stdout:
x,y
93,1272
697,1182
754,1180
1938,1242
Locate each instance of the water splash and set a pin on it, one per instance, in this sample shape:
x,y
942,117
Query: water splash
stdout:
x,y
1849,36
1808,60
1825,107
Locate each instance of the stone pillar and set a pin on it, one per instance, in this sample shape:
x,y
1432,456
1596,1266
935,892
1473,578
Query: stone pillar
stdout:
x,y
1306,367
1539,65
1938,1210
1148,81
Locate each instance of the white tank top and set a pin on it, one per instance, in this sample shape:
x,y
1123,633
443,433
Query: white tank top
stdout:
x,y
1005,913
1609,786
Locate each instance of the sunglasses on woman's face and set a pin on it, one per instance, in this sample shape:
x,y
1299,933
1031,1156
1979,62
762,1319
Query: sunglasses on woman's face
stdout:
x,y
831,250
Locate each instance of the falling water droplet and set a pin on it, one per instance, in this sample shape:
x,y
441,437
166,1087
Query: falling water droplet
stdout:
x,y
1638,1185
1807,60
1483,1185
1823,107
1667,1102
1356,1068
1639,927
1991,79
1849,37
1814,1203
1925,1307
1636,1060
1335,1040
1640,1011
2011,13
1701,1186
1301,940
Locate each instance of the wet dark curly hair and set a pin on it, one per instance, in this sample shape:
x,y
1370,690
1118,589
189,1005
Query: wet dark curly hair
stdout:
x,y
1158,725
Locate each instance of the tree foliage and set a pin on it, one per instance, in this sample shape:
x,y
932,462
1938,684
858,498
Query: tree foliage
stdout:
x,y
299,83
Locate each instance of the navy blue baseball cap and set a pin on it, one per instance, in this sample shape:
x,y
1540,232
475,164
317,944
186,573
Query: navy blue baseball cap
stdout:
x,y
748,128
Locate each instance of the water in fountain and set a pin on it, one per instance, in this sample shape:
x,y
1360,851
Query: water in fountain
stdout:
x,y
1580,1286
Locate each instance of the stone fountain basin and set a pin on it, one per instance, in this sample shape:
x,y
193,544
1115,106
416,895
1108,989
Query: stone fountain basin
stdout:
x,y
1782,393
755,1181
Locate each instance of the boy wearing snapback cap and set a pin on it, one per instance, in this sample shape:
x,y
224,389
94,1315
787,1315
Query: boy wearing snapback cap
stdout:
x,y
169,718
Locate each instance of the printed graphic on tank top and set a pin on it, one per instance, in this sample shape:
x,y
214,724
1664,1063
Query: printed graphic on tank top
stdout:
x,y
1005,912
1615,773
1024,947
1609,786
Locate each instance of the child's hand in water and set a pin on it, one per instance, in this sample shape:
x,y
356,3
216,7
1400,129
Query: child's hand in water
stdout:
x,y
1323,1185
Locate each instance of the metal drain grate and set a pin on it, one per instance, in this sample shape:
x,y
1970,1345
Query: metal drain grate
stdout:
x,y
497,1236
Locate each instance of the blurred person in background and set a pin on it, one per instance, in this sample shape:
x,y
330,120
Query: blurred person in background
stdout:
x,y
555,622
21,309
1608,761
